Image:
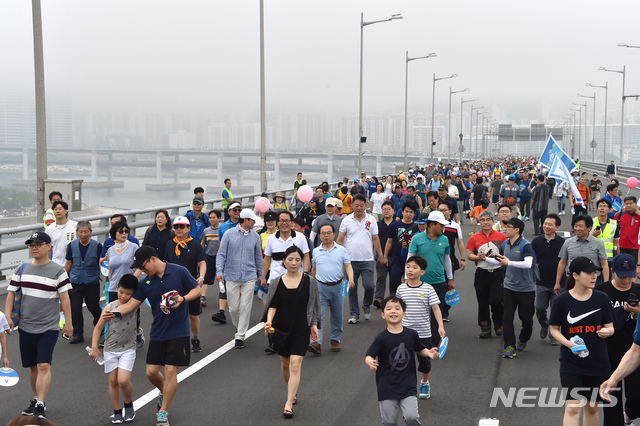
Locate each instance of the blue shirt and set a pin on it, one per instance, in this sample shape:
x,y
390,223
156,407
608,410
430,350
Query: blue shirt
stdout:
x,y
330,263
225,227
197,225
240,256
176,323
636,334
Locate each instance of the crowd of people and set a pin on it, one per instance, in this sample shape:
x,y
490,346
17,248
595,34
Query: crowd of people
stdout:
x,y
399,237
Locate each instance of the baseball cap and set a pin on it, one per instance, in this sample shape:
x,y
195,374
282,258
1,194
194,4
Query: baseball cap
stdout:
x,y
270,215
331,201
356,180
512,177
198,200
233,205
583,264
181,220
624,265
143,254
39,237
422,219
248,214
443,187
437,217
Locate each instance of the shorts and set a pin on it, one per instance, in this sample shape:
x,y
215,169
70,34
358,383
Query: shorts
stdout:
x,y
424,364
37,348
124,360
578,385
495,198
477,210
170,352
195,307
210,276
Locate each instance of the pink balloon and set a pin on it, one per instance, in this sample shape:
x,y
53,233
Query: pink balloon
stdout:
x,y
632,182
305,193
262,204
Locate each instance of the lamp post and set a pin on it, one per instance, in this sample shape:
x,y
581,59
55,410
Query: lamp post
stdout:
x,y
449,126
471,128
406,96
41,122
461,147
478,113
628,45
573,139
362,25
606,97
623,72
263,124
433,103
580,129
593,126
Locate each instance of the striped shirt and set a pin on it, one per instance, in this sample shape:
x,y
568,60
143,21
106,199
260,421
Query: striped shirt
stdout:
x,y
419,301
41,285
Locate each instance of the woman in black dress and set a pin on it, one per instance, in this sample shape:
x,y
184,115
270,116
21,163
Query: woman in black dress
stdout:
x,y
293,307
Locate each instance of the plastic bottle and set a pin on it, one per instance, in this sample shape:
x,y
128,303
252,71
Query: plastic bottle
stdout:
x,y
100,360
222,289
577,340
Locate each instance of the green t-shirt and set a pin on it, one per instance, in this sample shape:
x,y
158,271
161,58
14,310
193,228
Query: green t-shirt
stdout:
x,y
433,251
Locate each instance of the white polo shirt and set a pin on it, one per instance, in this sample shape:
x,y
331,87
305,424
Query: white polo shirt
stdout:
x,y
275,244
359,237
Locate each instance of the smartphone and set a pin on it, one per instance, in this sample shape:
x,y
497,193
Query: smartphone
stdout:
x,y
633,300
117,314
598,227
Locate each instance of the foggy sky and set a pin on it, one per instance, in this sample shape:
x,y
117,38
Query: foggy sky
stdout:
x,y
519,59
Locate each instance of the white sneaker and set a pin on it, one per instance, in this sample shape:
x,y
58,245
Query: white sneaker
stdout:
x,y
353,319
367,316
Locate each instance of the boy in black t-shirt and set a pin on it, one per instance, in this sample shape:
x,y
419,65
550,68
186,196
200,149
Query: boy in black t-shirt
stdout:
x,y
395,369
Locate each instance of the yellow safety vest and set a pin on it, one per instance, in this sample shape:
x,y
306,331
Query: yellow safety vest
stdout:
x,y
606,235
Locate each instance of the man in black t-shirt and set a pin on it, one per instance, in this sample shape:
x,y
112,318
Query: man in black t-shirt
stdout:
x,y
620,290
400,233
185,251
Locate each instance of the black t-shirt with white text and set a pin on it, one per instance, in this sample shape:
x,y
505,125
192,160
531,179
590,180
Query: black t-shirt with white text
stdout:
x,y
624,322
583,318
396,374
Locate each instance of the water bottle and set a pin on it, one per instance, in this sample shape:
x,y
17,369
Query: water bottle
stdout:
x,y
577,340
100,360
222,289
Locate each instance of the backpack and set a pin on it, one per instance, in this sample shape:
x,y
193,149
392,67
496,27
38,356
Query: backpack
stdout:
x,y
484,198
509,200
534,265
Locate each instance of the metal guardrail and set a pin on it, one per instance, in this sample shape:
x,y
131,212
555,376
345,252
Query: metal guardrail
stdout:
x,y
136,219
601,168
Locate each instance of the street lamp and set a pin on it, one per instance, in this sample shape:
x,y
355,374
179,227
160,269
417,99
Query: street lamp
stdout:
x,y
406,96
433,103
449,127
362,25
573,139
623,72
593,126
628,45
580,129
263,123
477,114
461,147
606,97
471,128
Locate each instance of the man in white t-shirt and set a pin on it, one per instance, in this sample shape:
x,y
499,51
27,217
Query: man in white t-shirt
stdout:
x,y
61,233
359,235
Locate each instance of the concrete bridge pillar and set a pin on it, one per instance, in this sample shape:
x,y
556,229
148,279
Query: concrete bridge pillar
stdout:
x,y
276,170
176,175
330,160
109,173
379,161
219,170
25,164
159,166
94,165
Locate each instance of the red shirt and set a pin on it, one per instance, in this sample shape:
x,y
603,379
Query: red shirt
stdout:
x,y
629,224
482,242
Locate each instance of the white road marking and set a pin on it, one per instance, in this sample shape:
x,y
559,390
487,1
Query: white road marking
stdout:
x,y
566,234
151,395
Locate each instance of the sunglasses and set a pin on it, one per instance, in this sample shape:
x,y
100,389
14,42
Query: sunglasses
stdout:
x,y
235,210
179,226
123,231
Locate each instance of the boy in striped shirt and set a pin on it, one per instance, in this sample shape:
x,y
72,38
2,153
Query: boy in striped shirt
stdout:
x,y
421,299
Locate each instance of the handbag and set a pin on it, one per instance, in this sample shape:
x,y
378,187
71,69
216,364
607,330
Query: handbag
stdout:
x,y
281,337
17,300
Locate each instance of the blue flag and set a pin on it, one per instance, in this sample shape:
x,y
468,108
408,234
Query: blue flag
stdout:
x,y
559,171
551,151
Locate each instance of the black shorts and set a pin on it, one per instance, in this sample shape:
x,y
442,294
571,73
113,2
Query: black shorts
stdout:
x,y
37,348
195,307
170,352
210,276
424,364
495,198
579,386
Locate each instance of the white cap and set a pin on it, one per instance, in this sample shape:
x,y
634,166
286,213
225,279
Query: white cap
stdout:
x,y
233,205
437,217
181,220
248,214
